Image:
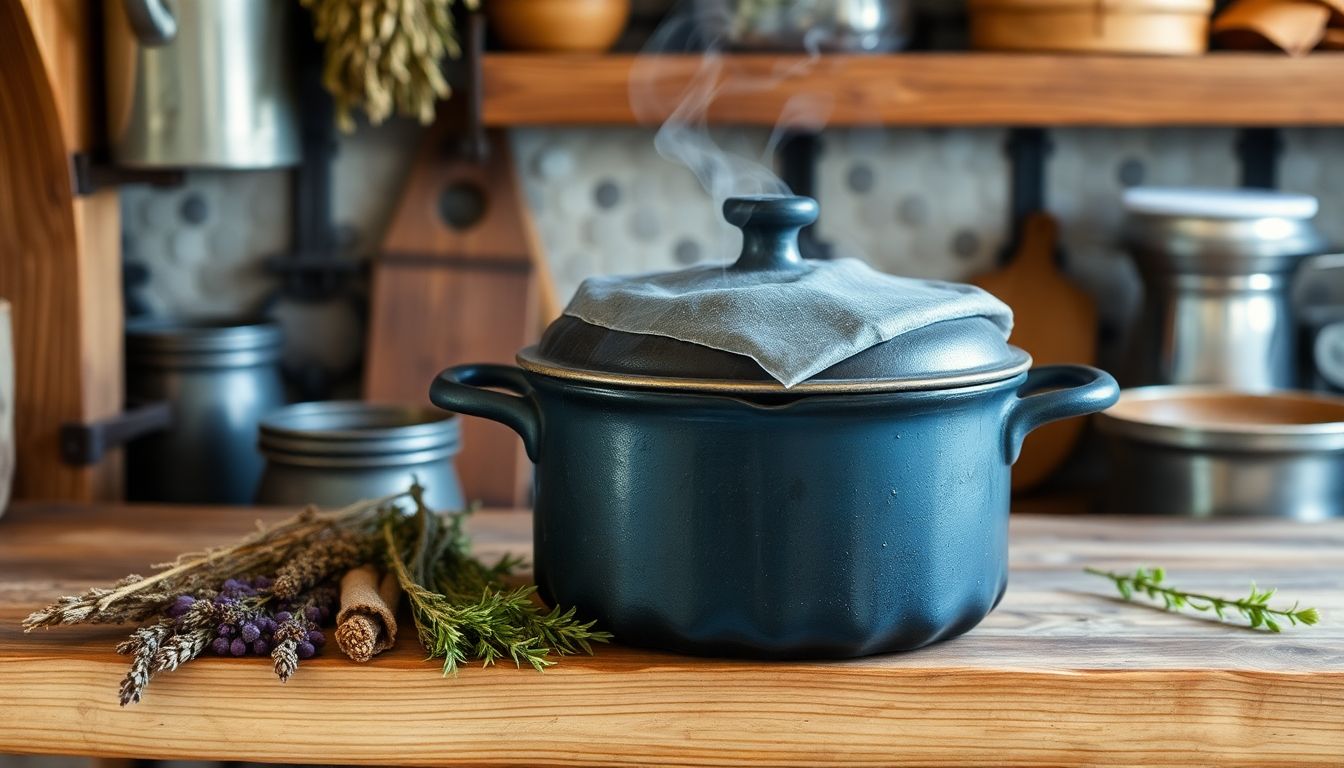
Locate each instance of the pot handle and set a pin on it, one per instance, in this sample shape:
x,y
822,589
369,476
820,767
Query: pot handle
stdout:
x,y
1071,390
460,389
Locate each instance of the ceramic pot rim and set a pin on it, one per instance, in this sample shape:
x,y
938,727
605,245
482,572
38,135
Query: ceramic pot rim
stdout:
x,y
530,360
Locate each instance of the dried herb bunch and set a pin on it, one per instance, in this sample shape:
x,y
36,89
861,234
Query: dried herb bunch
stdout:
x,y
383,56
465,611
1254,608
269,595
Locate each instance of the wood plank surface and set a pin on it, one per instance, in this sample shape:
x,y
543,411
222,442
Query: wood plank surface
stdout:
x,y
1059,674
927,89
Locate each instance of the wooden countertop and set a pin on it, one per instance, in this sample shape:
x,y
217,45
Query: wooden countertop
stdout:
x,y
1059,674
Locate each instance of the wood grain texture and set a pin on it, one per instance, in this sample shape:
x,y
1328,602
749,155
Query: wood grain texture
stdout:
x,y
932,89
60,256
1059,674
443,296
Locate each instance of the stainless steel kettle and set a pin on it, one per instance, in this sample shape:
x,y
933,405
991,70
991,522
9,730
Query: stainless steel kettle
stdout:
x,y
200,83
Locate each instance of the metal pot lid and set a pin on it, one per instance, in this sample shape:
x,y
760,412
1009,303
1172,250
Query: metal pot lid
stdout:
x,y
1221,231
955,352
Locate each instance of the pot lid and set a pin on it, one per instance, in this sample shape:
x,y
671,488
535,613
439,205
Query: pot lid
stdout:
x,y
773,322
1221,231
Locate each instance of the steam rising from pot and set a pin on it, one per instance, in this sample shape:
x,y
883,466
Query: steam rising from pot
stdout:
x,y
684,136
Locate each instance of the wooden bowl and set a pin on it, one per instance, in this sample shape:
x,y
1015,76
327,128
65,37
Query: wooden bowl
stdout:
x,y
1155,27
559,26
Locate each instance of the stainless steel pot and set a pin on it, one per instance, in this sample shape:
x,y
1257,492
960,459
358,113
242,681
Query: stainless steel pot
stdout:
x,y
220,378
1204,452
200,83
807,25
1217,267
336,453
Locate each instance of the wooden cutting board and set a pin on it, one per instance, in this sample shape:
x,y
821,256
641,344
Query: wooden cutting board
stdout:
x,y
1055,321
448,291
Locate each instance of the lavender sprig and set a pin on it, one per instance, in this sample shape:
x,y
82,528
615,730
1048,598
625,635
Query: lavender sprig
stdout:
x,y
143,645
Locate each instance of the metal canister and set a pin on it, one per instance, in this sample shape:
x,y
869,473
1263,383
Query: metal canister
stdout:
x,y
336,453
1217,267
200,83
220,378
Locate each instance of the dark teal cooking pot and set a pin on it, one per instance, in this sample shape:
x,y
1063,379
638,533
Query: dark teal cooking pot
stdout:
x,y
727,515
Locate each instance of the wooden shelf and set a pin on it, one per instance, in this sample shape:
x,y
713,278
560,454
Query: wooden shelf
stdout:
x,y
935,89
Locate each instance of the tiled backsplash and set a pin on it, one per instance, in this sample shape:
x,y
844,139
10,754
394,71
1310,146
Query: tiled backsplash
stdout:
x,y
929,203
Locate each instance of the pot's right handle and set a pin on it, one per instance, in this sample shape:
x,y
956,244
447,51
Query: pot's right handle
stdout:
x,y
460,389
1054,392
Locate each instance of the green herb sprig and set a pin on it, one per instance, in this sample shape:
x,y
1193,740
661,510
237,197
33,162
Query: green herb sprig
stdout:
x,y
465,610
1254,607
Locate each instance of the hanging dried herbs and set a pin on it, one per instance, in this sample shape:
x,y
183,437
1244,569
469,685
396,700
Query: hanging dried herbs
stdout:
x,y
269,595
385,56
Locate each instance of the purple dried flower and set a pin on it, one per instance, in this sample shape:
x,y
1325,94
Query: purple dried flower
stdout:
x,y
261,648
238,647
312,614
224,630
262,582
316,638
306,650
220,646
181,605
249,632
283,616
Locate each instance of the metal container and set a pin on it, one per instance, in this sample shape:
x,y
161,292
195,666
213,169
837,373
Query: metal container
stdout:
x,y
200,83
1217,266
686,501
807,25
220,378
337,453
1204,452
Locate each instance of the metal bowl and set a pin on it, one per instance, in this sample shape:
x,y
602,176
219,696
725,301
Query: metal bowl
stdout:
x,y
861,26
1206,452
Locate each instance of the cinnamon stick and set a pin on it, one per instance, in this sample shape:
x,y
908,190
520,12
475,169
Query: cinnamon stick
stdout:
x,y
367,622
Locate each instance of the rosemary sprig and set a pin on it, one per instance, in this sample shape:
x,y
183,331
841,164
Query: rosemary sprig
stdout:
x,y
1254,607
463,610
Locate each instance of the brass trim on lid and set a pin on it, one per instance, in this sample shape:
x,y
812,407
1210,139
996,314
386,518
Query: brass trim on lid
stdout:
x,y
530,361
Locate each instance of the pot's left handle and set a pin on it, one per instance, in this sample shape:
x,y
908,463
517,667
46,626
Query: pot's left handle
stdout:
x,y
1054,392
460,389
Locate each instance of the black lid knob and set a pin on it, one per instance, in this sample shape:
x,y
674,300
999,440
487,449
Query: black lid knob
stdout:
x,y
770,226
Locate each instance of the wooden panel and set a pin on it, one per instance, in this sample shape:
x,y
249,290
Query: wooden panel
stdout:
x,y
934,89
1059,674
444,296
60,258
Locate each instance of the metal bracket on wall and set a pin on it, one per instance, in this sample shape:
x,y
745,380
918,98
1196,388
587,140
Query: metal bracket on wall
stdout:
x,y
797,155
1028,152
90,175
315,269
86,444
1259,150
469,138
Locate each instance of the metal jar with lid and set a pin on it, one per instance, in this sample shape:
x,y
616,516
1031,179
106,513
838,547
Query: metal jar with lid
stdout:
x,y
219,378
336,453
687,500
1217,267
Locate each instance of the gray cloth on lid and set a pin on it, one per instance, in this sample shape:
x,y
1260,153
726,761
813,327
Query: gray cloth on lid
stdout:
x,y
794,323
